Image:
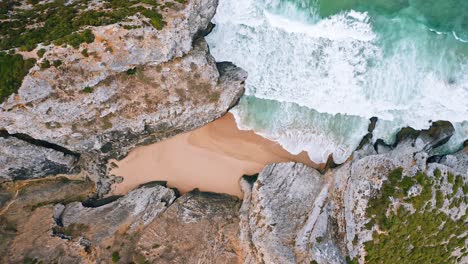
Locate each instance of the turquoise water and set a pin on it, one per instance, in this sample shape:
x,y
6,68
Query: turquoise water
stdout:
x,y
318,69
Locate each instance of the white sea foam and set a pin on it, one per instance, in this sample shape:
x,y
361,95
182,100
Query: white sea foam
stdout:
x,y
338,67
352,25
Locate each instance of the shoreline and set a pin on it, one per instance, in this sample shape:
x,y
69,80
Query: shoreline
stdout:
x,y
211,158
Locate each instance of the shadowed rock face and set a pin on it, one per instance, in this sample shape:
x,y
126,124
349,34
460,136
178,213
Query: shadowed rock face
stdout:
x,y
197,228
147,224
20,160
275,210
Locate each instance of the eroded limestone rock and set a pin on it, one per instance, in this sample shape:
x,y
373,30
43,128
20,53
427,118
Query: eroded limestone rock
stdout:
x,y
275,212
292,214
137,208
131,87
21,160
198,228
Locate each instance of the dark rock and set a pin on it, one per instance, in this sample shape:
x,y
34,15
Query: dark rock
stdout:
x,y
439,133
373,123
154,183
381,147
94,202
206,31
250,178
435,159
367,139
405,134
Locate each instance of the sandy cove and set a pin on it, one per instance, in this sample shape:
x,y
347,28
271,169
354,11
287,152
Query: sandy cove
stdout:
x,y
211,158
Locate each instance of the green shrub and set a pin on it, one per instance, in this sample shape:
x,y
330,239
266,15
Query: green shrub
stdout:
x,y
57,63
395,175
132,71
13,68
406,183
115,256
45,64
76,39
426,236
59,22
88,89
84,52
450,177
458,183
72,230
214,96
41,52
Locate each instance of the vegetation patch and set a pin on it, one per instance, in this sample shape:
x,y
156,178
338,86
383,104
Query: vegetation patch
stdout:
x,y
60,21
414,229
132,71
88,89
45,64
214,96
13,68
115,256
40,53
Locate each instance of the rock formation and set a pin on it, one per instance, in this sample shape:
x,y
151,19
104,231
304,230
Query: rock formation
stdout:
x,y
134,85
198,228
291,214
130,87
22,160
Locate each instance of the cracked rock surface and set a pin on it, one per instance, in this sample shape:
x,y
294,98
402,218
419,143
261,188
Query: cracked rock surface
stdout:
x,y
292,214
198,228
20,160
134,87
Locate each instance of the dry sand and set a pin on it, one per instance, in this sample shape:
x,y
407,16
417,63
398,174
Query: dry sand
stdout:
x,y
211,158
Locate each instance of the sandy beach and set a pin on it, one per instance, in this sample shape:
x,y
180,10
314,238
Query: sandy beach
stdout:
x,y
211,158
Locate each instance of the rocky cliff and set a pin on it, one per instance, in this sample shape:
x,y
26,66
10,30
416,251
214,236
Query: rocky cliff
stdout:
x,y
134,84
382,206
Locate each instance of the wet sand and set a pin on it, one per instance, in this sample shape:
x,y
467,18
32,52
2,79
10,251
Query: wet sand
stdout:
x,y
211,158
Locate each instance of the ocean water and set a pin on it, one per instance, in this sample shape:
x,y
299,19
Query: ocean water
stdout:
x,y
319,69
